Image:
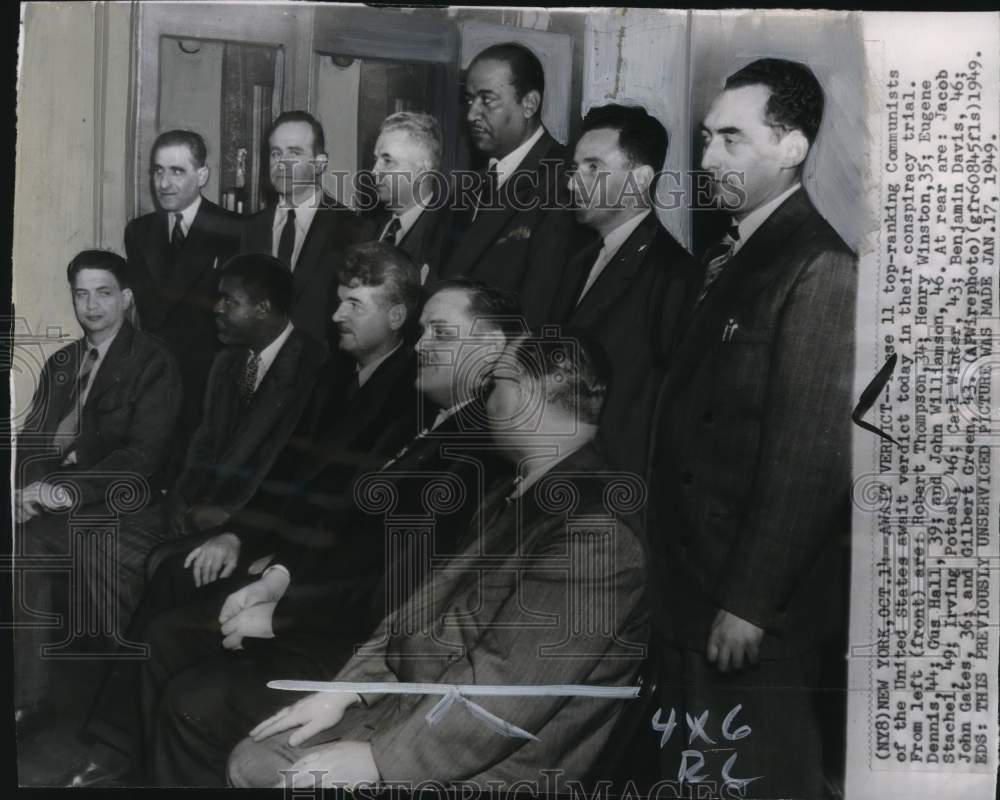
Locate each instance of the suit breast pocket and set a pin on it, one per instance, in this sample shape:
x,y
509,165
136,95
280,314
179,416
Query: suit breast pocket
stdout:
x,y
744,365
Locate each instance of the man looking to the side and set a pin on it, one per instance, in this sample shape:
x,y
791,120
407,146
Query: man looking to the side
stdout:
x,y
751,467
409,185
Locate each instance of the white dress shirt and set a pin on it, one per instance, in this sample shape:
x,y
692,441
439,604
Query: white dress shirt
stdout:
x,y
509,163
756,218
612,244
187,218
304,215
269,353
406,221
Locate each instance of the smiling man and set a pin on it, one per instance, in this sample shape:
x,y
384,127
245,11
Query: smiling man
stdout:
x,y
515,230
172,254
306,229
105,408
751,469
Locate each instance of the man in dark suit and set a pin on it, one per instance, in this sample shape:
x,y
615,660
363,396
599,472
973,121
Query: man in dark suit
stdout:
x,y
296,516
172,254
528,556
306,229
257,391
411,189
628,289
105,408
514,231
751,467
327,599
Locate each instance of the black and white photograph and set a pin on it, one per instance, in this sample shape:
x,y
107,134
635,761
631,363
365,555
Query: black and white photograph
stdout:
x,y
505,401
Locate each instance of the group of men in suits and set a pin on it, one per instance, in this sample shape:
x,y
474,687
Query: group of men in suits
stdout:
x,y
361,357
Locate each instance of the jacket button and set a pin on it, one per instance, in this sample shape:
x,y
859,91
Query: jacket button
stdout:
x,y
686,477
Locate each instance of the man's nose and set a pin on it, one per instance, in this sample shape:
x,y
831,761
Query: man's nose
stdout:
x,y
218,308
474,111
710,155
163,180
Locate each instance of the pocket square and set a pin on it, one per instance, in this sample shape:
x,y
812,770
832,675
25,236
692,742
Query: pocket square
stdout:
x,y
522,232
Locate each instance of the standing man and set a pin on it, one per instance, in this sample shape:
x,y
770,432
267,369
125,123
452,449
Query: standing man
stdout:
x,y
172,254
106,407
628,289
516,231
307,230
411,189
751,470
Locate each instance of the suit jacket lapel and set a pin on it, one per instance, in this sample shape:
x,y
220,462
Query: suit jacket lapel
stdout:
x,y
188,267
323,225
752,268
618,274
483,231
112,369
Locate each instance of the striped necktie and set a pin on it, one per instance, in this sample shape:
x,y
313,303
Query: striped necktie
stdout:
x,y
716,258
177,236
391,232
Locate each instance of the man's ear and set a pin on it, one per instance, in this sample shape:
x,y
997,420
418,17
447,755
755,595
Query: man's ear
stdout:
x,y
203,173
397,316
264,307
530,103
320,161
794,149
644,176
127,297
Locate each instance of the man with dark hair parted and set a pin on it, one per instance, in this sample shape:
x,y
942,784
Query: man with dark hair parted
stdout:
x,y
751,466
172,255
515,230
306,229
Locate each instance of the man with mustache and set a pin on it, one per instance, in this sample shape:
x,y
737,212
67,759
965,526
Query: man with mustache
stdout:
x,y
172,255
306,229
515,231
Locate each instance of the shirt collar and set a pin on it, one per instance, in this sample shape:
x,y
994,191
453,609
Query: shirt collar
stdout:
x,y
756,218
103,347
619,235
187,216
365,372
304,212
269,353
406,220
509,163
524,482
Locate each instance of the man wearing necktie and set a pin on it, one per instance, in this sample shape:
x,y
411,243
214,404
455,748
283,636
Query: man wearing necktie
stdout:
x,y
514,230
411,190
547,588
628,290
172,255
751,469
305,229
106,406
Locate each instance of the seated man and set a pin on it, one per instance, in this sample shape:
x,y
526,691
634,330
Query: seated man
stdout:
x,y
105,409
257,390
346,428
555,551
320,602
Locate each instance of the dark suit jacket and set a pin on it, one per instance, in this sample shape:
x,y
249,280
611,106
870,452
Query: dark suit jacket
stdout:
x,y
436,482
125,425
633,310
334,228
523,242
424,242
235,447
751,471
510,618
175,293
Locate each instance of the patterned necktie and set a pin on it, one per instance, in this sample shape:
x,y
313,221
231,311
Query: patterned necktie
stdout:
x,y
177,236
391,231
68,428
716,258
248,379
286,244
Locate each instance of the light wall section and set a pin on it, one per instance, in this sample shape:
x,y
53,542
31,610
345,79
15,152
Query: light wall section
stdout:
x,y
70,175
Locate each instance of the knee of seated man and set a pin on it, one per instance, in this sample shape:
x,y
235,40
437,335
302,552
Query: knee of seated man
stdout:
x,y
253,765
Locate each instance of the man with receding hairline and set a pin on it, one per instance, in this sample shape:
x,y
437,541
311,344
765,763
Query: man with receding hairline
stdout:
x,y
172,254
751,468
